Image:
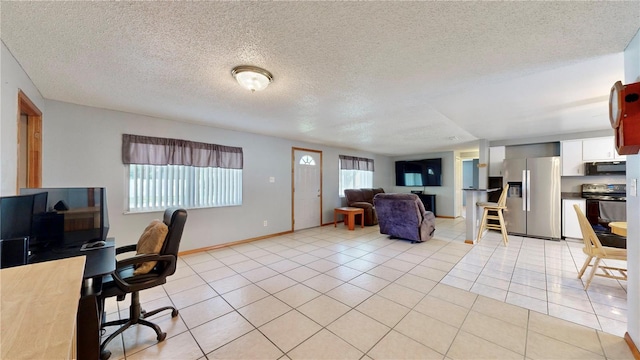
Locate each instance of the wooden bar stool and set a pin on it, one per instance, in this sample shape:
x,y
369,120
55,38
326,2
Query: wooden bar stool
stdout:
x,y
496,210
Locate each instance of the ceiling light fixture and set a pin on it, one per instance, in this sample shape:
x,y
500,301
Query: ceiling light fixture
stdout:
x,y
251,77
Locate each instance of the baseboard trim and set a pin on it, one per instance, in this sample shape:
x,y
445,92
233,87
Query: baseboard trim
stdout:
x,y
219,246
331,223
470,242
632,346
446,217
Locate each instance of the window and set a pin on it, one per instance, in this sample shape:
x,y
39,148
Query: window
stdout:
x,y
355,173
170,172
307,160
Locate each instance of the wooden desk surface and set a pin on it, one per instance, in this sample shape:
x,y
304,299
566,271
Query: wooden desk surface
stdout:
x,y
619,228
38,305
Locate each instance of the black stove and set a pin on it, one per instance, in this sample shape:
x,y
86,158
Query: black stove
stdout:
x,y
605,192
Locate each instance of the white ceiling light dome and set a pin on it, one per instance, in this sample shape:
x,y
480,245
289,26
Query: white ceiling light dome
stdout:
x,y
251,77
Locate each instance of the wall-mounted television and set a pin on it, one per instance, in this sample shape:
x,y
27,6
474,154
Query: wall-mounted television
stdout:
x,y
425,172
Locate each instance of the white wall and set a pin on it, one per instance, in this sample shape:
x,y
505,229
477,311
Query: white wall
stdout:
x,y
632,75
12,78
82,147
445,194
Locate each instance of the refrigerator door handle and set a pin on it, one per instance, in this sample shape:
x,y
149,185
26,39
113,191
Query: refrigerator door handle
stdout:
x,y
524,189
528,190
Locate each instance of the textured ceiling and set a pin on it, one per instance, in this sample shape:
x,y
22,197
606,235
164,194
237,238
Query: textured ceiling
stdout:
x,y
386,77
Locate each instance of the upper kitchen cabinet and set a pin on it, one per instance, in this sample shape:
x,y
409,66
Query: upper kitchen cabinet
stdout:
x,y
600,149
496,157
571,152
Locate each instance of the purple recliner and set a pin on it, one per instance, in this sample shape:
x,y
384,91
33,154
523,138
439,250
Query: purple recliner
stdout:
x,y
403,216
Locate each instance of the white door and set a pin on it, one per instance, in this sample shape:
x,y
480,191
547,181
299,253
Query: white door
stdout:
x,y
307,188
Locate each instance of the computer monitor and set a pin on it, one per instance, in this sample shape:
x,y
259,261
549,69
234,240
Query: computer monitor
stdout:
x,y
74,215
16,213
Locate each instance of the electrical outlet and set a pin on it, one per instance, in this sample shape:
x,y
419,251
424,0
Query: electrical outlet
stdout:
x,y
264,223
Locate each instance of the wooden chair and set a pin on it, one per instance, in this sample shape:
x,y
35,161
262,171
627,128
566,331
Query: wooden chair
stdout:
x,y
593,249
496,210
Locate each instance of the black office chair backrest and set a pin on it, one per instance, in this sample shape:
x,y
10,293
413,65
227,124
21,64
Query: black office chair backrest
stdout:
x,y
174,218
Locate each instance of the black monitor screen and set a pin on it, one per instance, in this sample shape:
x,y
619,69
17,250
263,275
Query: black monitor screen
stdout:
x,y
15,216
73,215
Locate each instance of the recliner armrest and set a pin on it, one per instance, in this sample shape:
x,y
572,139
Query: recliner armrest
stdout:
x,y
362,205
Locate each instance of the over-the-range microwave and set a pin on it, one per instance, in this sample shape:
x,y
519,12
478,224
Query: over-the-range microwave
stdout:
x,y
605,168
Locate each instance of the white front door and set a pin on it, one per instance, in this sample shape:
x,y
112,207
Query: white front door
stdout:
x,y
307,188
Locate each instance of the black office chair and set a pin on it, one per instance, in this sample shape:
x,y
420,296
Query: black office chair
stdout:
x,y
122,281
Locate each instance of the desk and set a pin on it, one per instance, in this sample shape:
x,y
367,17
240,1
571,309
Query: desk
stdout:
x,y
349,216
619,228
99,262
37,321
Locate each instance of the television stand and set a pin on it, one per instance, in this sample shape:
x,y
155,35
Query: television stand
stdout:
x,y
429,202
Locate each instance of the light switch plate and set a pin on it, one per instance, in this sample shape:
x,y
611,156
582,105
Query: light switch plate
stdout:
x,y
272,179
633,187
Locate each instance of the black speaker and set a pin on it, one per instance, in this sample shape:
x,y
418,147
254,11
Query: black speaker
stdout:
x,y
61,206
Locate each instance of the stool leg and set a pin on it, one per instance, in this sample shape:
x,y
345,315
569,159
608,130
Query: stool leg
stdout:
x,y
503,228
483,223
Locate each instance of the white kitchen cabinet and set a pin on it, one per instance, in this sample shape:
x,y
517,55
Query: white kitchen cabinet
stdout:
x,y
496,157
570,225
571,155
598,149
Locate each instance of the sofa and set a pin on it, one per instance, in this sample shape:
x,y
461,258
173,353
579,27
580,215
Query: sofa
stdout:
x,y
363,198
403,216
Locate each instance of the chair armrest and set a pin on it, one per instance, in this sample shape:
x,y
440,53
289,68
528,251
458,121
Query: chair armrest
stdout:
x,y
138,259
125,249
362,205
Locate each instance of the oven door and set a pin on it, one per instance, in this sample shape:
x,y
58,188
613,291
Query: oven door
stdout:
x,y
601,212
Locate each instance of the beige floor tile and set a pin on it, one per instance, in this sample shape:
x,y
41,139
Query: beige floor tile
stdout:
x,y
197,258
264,310
297,295
259,274
139,337
284,265
565,331
397,346
358,330
325,345
182,347
497,331
323,283
343,273
289,330
204,311
614,347
369,282
349,294
468,346
250,346
428,273
361,265
269,259
399,265
427,331
186,283
323,309
416,283
503,311
218,332
401,294
454,295
276,283
192,296
386,273
244,296
233,259
442,310
207,265
230,283
383,310
217,274
438,264
543,347
322,265
301,273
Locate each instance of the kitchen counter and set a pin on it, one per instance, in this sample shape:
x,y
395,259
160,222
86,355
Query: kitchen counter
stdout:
x,y
473,196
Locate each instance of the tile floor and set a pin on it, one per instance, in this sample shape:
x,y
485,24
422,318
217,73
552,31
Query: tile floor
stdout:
x,y
330,293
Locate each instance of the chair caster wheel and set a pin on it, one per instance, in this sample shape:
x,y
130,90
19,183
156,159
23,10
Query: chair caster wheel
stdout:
x,y
162,336
174,313
104,355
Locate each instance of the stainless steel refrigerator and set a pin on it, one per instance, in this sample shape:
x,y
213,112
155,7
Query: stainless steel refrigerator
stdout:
x,y
533,200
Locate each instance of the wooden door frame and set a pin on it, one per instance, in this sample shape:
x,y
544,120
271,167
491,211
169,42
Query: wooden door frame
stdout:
x,y
293,181
34,141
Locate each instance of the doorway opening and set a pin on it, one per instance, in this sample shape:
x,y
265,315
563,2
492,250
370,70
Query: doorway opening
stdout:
x,y
306,188
29,144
